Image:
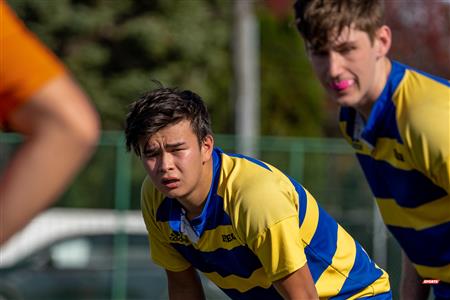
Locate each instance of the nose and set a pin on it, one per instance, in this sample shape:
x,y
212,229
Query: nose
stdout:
x,y
165,162
334,64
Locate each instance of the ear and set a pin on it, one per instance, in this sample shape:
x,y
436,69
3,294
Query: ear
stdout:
x,y
207,147
383,38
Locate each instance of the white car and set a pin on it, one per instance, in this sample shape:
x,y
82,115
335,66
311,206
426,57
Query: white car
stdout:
x,y
84,254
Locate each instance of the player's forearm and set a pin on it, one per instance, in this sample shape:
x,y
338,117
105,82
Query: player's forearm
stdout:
x,y
297,285
186,294
40,171
185,285
411,287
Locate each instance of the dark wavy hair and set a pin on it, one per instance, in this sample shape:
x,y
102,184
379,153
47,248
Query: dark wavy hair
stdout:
x,y
318,20
161,107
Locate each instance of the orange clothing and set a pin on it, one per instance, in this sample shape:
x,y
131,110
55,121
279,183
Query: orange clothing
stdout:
x,y
26,65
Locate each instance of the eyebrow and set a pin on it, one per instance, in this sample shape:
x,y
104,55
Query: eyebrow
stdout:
x,y
149,149
175,145
345,44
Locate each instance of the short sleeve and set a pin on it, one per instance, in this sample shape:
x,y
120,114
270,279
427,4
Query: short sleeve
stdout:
x,y
162,252
269,223
425,127
280,249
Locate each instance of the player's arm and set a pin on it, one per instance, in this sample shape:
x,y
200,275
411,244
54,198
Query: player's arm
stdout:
x,y
411,287
185,285
297,285
61,130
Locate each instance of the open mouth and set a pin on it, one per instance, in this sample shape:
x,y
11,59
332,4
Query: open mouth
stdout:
x,y
170,182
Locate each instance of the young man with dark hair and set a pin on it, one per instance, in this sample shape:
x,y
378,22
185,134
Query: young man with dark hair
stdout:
x,y
252,230
398,121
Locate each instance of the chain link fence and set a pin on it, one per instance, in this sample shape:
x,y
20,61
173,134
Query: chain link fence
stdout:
x,y
326,167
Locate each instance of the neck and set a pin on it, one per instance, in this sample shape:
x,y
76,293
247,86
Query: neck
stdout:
x,y
382,72
195,201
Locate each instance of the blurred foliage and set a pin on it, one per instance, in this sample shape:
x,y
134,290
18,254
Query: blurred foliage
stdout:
x,y
291,97
114,48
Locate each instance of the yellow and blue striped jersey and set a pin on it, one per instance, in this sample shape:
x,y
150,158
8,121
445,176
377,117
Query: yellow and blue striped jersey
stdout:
x,y
404,150
258,226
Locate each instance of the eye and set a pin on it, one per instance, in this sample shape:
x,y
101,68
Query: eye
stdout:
x,y
347,49
150,154
177,150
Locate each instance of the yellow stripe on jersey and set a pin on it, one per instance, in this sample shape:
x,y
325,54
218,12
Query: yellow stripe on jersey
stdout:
x,y
280,249
258,278
394,153
423,107
333,278
210,239
442,273
419,218
381,285
308,228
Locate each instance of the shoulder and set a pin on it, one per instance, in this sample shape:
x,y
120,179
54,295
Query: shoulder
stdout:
x,y
422,97
256,195
423,110
249,180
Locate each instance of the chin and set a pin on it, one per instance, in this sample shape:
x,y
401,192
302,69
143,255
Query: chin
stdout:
x,y
175,194
171,194
346,101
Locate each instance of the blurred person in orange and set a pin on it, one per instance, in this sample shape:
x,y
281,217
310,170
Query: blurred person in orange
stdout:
x,y
40,100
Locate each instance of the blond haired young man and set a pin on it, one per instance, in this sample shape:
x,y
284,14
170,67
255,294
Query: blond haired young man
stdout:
x,y
398,121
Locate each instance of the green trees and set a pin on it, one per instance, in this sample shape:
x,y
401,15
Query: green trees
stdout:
x,y
114,48
292,100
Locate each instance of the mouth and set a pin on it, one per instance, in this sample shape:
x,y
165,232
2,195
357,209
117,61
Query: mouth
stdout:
x,y
170,183
342,84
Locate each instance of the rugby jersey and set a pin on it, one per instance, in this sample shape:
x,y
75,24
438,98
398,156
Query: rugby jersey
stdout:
x,y
256,227
403,149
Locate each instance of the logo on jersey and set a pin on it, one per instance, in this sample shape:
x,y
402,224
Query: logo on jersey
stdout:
x,y
178,237
228,237
398,155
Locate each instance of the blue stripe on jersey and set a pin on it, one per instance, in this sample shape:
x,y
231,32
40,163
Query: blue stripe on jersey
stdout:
x,y
348,115
253,160
441,290
208,219
301,199
239,261
169,211
322,247
433,250
254,293
382,120
382,123
362,274
409,188
215,215
316,264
